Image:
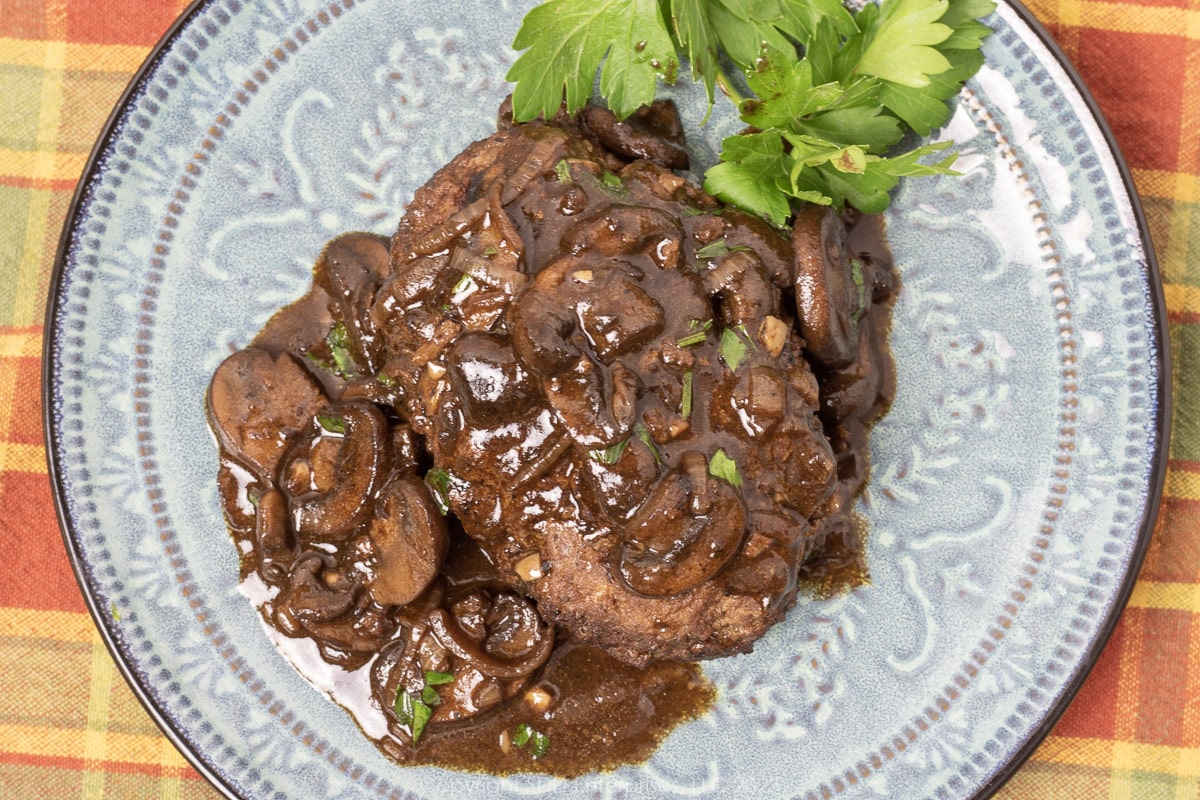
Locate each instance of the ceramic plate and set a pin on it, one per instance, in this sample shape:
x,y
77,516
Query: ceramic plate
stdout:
x,y
1014,483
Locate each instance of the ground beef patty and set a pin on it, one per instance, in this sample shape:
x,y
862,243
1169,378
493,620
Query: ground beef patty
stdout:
x,y
648,408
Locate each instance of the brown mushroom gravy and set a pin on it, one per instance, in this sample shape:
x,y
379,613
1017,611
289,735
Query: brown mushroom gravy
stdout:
x,y
575,426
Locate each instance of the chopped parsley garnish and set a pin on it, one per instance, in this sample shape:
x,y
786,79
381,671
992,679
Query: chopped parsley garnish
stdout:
x,y
718,248
438,481
465,284
338,342
609,455
639,430
685,406
538,742
733,348
611,181
429,694
331,423
116,612
387,380
699,333
725,468
857,275
415,711
822,121
563,170
490,251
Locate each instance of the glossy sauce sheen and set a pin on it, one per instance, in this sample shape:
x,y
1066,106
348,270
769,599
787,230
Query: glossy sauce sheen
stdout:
x,y
544,348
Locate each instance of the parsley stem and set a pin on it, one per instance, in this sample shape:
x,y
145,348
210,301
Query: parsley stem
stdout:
x,y
727,88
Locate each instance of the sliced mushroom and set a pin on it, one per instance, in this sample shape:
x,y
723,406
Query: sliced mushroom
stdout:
x,y
485,372
618,316
363,463
854,390
597,406
746,290
653,132
540,324
325,601
350,269
276,545
259,404
491,642
409,539
688,529
830,296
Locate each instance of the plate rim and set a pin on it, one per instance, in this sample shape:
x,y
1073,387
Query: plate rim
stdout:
x,y
1083,668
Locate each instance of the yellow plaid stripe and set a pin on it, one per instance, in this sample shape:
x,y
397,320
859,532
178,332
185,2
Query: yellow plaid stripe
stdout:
x,y
1182,298
1166,596
63,626
73,56
18,456
1180,186
1121,17
1127,756
47,164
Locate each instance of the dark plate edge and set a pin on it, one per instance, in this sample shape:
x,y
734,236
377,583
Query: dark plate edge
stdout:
x,y
1157,473
1162,439
136,87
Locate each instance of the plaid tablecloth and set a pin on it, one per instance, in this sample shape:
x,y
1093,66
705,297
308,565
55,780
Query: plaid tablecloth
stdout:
x,y
69,726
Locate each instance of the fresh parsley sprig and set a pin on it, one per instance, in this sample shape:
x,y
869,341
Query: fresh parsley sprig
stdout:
x,y
833,90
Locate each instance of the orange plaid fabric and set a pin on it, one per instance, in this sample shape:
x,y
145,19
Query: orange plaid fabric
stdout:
x,y
69,727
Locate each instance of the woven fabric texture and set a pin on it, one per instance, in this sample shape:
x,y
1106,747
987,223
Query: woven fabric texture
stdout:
x,y
70,727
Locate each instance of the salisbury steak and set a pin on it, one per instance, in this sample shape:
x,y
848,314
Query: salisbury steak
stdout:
x,y
607,368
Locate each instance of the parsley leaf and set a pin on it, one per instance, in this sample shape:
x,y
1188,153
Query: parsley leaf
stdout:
x,y
718,248
725,468
696,39
338,342
752,175
733,348
438,678
821,124
565,42
332,423
526,734
413,712
897,42
611,454
685,405
640,431
438,481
